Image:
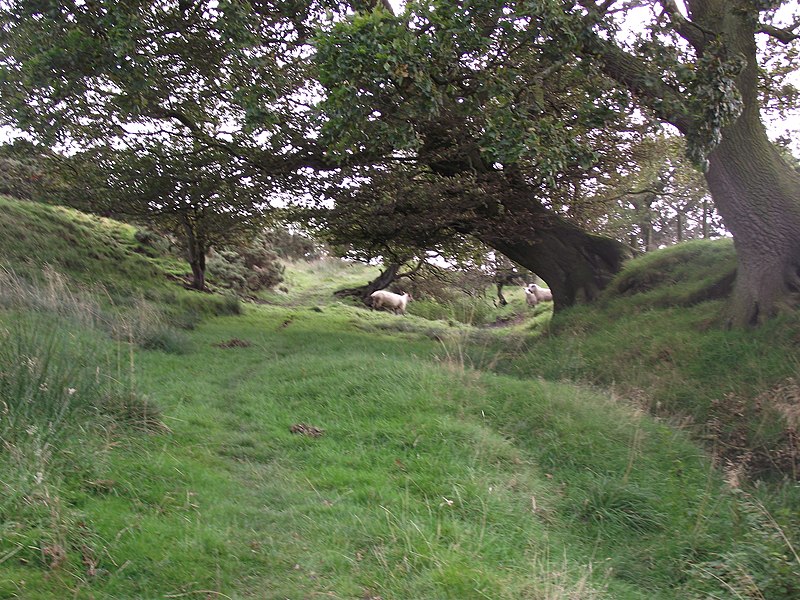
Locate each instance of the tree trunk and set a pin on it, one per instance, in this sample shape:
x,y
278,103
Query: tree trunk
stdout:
x,y
755,191
503,278
198,264
196,249
647,231
758,196
365,291
575,264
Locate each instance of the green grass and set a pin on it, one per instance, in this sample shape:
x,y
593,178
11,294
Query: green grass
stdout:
x,y
435,476
430,481
672,355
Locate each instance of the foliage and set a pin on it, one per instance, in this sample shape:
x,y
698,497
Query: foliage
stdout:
x,y
663,201
152,116
489,143
534,105
105,70
251,269
292,245
457,70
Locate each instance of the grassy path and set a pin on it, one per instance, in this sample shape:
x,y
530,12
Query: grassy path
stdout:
x,y
429,481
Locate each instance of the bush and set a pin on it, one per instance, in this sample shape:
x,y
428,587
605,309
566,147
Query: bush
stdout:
x,y
155,243
290,246
246,270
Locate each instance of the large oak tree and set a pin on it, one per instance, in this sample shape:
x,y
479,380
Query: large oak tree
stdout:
x,y
488,134
697,69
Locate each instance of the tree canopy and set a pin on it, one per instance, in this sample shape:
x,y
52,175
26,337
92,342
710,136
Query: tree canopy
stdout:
x,y
479,81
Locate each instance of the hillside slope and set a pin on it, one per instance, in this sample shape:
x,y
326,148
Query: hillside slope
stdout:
x,y
658,337
303,451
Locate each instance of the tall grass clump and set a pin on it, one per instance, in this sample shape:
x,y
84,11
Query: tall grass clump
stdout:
x,y
142,322
763,563
43,376
149,327
59,398
467,310
65,387
51,294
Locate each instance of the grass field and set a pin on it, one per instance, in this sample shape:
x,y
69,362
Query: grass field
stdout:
x,y
161,443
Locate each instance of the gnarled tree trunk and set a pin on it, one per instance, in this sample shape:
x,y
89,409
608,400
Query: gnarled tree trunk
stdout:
x,y
757,194
755,191
381,281
577,265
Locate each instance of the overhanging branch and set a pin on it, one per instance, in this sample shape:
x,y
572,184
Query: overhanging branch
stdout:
x,y
635,75
786,35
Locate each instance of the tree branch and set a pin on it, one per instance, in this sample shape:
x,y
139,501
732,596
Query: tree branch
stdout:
x,y
688,30
636,76
786,35
413,271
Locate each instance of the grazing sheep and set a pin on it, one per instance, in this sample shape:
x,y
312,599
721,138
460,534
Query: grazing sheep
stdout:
x,y
394,302
535,294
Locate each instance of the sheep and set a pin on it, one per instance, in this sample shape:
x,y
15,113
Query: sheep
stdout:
x,y
535,294
394,302
530,297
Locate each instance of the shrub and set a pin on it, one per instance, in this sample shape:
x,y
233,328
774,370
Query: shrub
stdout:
x,y
153,242
248,269
290,246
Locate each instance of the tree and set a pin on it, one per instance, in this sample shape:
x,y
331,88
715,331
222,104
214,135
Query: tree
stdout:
x,y
521,96
436,92
196,111
206,199
698,71
233,76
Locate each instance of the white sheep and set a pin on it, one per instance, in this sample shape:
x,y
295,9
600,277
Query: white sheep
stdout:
x,y
535,294
530,297
394,302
